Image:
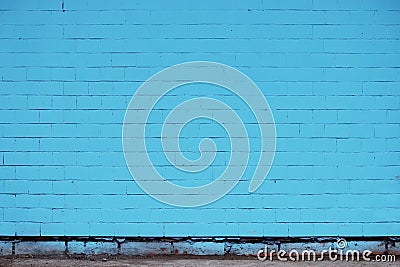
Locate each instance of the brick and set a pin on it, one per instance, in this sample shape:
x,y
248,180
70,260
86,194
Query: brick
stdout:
x,y
25,130
114,102
88,102
38,74
33,214
64,102
76,229
325,116
348,145
27,172
346,17
386,5
376,144
287,215
52,229
312,130
14,74
7,200
276,229
33,31
63,130
386,130
301,172
349,130
101,187
101,229
51,116
15,186
387,17
360,46
297,229
88,74
393,144
130,229
366,60
325,145
7,228
63,74
27,229
27,201
19,116
14,102
293,144
362,116
40,187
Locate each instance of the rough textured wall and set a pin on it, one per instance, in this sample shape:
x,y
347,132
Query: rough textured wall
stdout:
x,y
329,70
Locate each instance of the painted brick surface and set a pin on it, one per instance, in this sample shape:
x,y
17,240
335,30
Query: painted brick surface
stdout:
x,y
329,70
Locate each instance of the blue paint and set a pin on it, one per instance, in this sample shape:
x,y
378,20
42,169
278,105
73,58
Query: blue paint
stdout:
x,y
329,70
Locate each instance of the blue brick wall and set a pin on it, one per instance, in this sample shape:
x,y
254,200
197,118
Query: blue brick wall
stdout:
x,y
329,70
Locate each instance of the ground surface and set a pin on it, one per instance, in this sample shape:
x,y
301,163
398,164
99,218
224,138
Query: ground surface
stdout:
x,y
102,260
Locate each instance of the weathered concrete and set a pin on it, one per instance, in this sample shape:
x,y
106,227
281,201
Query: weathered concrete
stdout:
x,y
199,248
378,247
82,247
5,248
300,246
189,246
247,248
40,247
394,247
146,248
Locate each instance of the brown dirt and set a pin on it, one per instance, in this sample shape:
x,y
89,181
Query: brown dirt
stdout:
x,y
179,260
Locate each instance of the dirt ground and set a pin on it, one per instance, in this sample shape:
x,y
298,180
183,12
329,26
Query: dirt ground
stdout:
x,y
107,260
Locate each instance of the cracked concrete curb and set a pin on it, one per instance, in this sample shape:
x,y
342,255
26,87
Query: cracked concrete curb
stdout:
x,y
189,246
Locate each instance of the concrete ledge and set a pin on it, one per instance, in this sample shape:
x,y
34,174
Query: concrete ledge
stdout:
x,y
5,248
146,248
190,246
247,248
377,247
82,247
199,248
40,247
394,248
